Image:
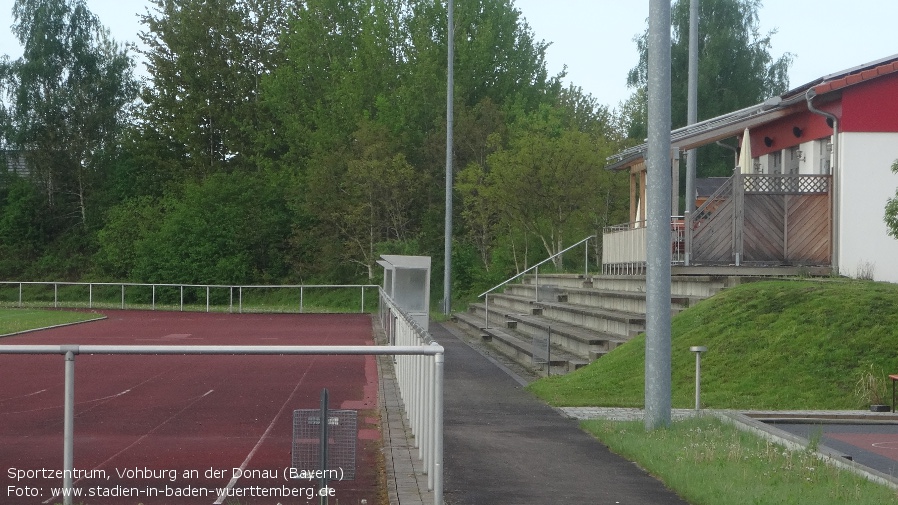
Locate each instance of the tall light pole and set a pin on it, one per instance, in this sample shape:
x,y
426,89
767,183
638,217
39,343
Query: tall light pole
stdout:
x,y
450,98
658,186
692,102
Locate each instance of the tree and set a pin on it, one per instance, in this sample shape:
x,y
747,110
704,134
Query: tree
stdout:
x,y
891,215
378,192
550,179
736,69
66,104
206,60
226,229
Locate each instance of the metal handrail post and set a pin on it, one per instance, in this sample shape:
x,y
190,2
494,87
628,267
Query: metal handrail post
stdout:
x,y
301,299
154,297
438,360
240,299
585,260
207,298
68,449
486,316
536,278
363,301
55,295
123,296
90,296
20,295
182,298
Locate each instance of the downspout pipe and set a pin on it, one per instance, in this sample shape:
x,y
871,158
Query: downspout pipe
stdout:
x,y
834,169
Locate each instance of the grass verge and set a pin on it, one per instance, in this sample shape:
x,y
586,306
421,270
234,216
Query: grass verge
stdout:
x,y
18,320
771,345
708,462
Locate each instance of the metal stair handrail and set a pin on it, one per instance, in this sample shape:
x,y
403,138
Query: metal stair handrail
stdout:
x,y
536,266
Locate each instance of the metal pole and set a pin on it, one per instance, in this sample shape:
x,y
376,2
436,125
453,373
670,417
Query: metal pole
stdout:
x,y
68,447
438,429
123,296
657,348
55,295
428,423
536,276
20,295
323,446
692,104
207,298
450,114
300,299
154,297
182,298
585,261
90,296
698,350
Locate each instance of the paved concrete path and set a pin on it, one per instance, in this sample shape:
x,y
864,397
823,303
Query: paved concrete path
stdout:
x,y
503,446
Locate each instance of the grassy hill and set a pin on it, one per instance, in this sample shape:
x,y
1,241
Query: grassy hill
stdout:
x,y
799,344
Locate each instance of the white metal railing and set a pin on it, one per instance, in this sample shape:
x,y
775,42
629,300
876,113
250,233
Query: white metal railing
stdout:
x,y
486,294
427,392
423,407
90,300
624,246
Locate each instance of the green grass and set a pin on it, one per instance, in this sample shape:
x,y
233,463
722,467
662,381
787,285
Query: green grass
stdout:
x,y
709,462
799,344
18,320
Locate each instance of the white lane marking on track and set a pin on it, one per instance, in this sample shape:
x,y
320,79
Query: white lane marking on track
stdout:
x,y
142,437
277,416
23,396
78,403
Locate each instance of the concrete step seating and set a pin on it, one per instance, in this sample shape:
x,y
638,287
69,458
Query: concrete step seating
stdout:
x,y
573,338
586,316
624,301
520,347
694,286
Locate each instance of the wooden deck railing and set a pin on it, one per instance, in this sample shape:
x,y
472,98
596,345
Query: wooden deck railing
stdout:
x,y
752,218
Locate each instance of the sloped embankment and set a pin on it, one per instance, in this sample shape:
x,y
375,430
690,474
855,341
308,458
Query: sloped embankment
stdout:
x,y
786,344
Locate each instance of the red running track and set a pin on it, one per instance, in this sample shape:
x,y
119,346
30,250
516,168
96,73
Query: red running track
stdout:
x,y
156,428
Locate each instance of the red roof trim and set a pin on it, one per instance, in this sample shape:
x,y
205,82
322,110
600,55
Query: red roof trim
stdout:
x,y
853,79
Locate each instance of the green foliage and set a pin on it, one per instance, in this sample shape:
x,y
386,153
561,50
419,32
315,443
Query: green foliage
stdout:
x,y
771,345
21,224
229,229
64,105
205,59
891,213
544,182
283,141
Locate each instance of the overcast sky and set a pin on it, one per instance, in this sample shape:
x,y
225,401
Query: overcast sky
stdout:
x,y
594,38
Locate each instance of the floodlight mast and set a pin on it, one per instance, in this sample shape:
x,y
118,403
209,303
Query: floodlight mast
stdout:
x,y
658,186
450,99
692,103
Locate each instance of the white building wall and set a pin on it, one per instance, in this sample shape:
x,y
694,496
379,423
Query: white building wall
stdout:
x,y
866,182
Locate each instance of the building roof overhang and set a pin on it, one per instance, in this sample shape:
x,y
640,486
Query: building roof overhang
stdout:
x,y
734,123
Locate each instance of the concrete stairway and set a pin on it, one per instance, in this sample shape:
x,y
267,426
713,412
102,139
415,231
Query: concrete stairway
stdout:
x,y
566,321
